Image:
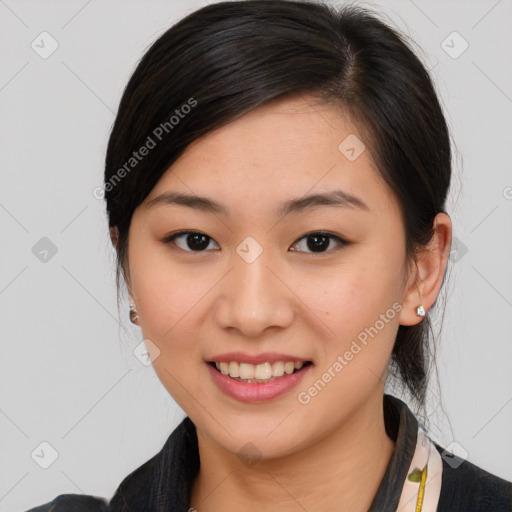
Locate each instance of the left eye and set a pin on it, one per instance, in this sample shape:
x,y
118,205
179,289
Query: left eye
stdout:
x,y
196,241
318,241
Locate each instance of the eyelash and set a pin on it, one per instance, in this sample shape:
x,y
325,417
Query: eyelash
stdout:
x,y
342,242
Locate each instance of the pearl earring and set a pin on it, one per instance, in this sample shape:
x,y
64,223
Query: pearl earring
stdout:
x,y
134,315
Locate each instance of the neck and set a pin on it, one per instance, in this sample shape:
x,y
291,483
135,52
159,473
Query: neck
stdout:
x,y
340,473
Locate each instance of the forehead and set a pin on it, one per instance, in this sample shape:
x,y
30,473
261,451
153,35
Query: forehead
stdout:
x,y
288,148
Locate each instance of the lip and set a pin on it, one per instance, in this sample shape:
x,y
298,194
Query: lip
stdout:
x,y
265,357
252,392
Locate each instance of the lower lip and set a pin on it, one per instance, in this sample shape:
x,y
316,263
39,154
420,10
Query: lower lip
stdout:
x,y
254,392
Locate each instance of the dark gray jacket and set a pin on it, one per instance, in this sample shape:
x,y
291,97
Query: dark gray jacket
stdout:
x,y
163,483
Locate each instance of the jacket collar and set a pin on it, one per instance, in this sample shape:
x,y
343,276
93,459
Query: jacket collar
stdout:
x,y
164,482
402,428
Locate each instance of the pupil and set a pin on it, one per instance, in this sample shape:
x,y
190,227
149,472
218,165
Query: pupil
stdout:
x,y
318,244
193,241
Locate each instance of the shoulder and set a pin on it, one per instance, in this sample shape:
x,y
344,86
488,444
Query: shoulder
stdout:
x,y
468,487
74,503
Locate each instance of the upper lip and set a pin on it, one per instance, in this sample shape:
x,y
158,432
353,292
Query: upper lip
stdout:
x,y
265,357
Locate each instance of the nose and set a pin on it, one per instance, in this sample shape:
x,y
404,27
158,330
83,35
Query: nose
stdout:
x,y
255,298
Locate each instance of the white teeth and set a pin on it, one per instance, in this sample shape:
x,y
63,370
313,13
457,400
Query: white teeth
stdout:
x,y
234,369
278,369
246,371
264,371
289,367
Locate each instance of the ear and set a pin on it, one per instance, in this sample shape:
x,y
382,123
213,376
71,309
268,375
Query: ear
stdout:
x,y
427,272
114,235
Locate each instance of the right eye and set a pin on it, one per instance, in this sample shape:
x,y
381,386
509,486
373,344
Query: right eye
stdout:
x,y
194,240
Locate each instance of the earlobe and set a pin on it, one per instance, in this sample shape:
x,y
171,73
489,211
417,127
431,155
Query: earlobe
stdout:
x,y
427,277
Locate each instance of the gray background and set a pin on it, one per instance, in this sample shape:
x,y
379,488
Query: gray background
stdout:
x,y
68,374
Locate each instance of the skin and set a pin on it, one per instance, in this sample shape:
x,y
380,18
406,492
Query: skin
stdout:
x,y
331,453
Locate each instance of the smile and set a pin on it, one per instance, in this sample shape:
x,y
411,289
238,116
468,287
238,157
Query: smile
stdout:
x,y
229,378
260,373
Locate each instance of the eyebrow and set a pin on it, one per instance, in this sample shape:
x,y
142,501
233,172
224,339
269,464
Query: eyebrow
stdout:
x,y
336,198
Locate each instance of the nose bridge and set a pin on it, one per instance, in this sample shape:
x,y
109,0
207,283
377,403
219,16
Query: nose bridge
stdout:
x,y
256,299
253,278
253,275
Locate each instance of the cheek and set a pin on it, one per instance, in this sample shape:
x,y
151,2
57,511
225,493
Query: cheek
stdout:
x,y
169,304
356,304
164,292
344,297
159,293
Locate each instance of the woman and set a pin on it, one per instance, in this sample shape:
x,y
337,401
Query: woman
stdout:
x,y
276,181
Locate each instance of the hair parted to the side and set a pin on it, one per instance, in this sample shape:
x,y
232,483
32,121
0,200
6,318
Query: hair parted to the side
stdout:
x,y
231,57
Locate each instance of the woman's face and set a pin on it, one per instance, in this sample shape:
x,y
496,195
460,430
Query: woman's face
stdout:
x,y
260,280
